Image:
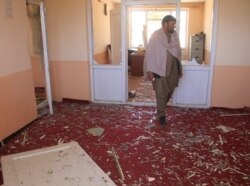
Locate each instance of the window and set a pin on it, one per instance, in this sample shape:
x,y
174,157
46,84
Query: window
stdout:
x,y
145,22
138,20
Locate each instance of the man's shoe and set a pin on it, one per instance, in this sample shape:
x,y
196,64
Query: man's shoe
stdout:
x,y
162,120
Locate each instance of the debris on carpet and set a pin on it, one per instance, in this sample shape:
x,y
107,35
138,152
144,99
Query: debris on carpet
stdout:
x,y
198,146
97,131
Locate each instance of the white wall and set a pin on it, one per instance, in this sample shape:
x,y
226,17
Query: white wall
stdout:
x,y
101,25
233,39
231,87
68,49
208,16
17,95
14,50
67,31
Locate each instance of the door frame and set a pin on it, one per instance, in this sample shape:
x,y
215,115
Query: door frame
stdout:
x,y
124,47
90,43
125,5
213,50
214,23
99,71
40,3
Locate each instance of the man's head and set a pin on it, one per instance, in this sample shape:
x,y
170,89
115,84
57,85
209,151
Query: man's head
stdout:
x,y
168,23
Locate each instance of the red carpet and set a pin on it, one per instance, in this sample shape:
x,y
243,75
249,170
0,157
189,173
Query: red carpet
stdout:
x,y
191,149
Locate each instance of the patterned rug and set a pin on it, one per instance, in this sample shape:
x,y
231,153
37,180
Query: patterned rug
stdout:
x,y
200,147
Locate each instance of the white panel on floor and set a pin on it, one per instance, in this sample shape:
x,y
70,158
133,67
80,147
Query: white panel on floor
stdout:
x,y
61,165
108,84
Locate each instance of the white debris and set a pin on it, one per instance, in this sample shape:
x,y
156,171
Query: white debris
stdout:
x,y
117,164
163,160
43,136
217,152
60,141
109,152
234,170
142,138
156,152
225,129
240,114
211,143
191,176
233,156
207,165
177,146
24,138
148,112
221,141
97,131
108,173
246,178
150,179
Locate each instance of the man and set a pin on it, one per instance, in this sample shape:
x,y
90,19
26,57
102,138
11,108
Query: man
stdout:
x,y
163,63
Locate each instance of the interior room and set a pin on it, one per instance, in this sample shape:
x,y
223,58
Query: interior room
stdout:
x,y
195,21
75,108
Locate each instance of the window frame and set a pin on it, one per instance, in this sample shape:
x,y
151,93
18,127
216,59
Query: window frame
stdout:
x,y
147,19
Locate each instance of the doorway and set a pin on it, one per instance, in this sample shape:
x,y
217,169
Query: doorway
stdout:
x,y
39,56
110,82
107,76
143,18
33,13
196,19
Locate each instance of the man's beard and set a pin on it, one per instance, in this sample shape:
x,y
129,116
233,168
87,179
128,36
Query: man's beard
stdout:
x,y
171,30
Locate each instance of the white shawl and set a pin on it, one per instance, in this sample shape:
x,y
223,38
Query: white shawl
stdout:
x,y
156,51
